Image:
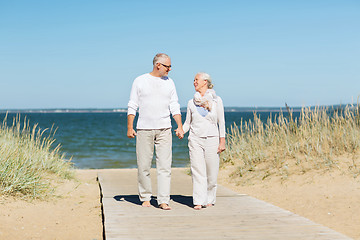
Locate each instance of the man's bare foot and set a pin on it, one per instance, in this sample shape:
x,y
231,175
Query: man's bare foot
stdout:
x,y
198,207
209,205
164,206
146,204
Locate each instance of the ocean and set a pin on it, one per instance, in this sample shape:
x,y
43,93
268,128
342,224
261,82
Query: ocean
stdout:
x,y
97,139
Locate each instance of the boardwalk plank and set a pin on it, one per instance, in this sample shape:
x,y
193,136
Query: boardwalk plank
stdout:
x,y
235,216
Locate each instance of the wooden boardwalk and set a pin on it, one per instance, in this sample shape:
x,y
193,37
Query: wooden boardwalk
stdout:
x,y
235,216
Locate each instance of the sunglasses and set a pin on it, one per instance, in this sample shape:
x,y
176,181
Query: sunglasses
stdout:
x,y
167,66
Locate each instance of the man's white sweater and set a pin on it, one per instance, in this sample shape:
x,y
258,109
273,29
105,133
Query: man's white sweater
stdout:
x,y
156,99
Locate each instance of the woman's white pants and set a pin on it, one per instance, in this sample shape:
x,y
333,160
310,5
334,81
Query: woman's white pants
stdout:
x,y
204,161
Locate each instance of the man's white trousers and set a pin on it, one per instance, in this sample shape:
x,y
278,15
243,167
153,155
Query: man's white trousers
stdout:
x,y
145,142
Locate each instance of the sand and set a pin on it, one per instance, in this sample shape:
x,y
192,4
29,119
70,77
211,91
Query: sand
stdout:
x,y
331,199
74,214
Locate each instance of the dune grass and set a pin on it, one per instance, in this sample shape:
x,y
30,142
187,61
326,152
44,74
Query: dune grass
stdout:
x,y
320,138
28,162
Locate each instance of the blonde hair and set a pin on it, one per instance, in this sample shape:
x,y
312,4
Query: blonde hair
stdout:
x,y
206,76
158,57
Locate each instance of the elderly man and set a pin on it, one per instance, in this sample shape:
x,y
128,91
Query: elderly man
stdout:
x,y
155,96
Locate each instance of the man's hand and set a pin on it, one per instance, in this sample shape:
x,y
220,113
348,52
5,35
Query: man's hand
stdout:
x,y
131,133
179,132
221,147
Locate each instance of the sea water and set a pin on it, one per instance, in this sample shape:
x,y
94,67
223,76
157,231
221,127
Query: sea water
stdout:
x,y
98,139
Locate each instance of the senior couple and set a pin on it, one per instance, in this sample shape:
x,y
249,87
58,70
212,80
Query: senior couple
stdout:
x,y
154,96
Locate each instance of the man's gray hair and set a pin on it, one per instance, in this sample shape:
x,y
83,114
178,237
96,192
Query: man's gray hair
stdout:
x,y
158,57
206,76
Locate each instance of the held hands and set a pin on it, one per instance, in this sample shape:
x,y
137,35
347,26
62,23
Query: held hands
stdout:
x,y
131,133
221,147
179,132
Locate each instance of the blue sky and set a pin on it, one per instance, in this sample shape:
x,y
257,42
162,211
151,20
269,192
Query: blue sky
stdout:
x,y
85,54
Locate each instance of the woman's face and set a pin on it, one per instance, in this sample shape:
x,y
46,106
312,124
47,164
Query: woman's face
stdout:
x,y
200,83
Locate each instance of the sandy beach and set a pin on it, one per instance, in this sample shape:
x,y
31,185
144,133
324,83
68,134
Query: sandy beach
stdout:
x,y
328,198
74,212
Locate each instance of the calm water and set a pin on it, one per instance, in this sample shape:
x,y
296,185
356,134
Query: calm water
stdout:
x,y
98,140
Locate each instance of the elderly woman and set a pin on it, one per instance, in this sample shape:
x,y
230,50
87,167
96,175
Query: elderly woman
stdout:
x,y
206,122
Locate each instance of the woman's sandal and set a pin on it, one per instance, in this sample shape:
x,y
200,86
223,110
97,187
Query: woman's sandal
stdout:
x,y
198,207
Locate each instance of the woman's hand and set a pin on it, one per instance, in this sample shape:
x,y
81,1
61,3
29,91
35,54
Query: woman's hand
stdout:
x,y
221,147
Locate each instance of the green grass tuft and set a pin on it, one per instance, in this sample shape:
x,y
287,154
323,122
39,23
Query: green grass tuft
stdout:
x,y
315,140
28,162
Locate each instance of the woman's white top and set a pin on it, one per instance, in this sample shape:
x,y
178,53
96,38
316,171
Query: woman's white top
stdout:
x,y
212,125
155,98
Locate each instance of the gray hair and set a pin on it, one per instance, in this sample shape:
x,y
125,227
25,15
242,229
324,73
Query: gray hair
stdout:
x,y
206,76
158,57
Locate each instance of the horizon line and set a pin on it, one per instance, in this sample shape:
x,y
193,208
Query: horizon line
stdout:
x,y
122,110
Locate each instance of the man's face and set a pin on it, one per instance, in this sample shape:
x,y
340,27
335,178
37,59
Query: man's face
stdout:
x,y
164,66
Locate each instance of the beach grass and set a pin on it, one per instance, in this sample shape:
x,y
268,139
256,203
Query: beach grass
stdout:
x,y
28,161
320,138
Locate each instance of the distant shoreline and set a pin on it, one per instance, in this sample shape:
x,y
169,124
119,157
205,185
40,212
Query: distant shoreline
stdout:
x,y
124,110
63,111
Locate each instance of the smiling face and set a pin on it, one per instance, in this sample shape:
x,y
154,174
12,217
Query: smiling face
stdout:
x,y
164,66
200,84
